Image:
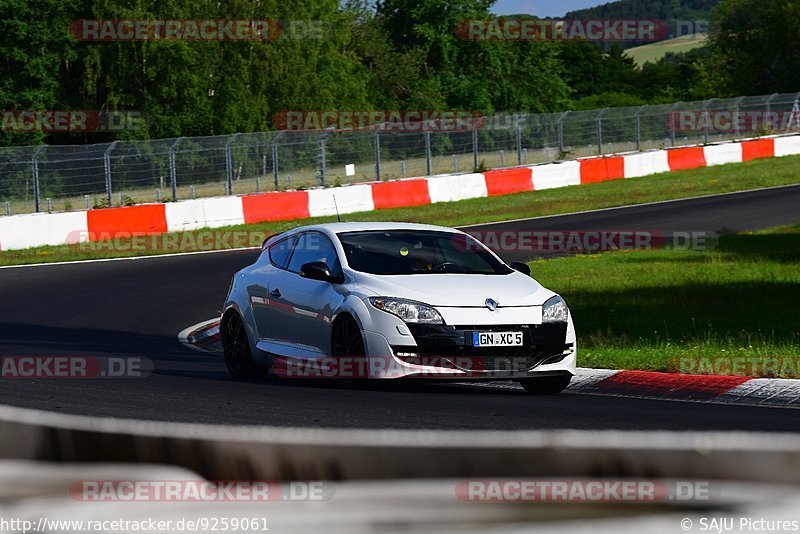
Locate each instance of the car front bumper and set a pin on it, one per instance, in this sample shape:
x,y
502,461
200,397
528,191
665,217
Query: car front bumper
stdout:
x,y
445,351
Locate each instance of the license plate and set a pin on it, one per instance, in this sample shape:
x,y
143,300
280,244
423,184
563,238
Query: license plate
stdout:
x,y
497,339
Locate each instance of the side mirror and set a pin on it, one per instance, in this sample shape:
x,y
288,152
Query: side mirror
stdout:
x,y
317,270
521,267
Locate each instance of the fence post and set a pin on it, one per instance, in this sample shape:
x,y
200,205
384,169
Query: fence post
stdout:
x,y
768,105
35,165
107,170
639,128
474,147
323,158
672,122
378,155
229,163
599,120
796,106
428,152
173,172
736,116
769,102
560,127
519,142
275,162
705,121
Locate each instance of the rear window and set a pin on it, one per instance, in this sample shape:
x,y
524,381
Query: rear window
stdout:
x,y
404,252
279,252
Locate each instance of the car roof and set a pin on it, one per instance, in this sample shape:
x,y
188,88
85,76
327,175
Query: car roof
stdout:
x,y
377,226
340,227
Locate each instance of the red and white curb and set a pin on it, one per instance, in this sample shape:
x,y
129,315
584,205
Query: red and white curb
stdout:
x,y
738,390
203,337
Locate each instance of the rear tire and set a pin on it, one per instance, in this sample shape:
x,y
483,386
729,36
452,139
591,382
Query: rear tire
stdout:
x,y
236,348
546,385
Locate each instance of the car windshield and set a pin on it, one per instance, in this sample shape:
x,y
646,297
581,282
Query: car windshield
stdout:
x,y
402,252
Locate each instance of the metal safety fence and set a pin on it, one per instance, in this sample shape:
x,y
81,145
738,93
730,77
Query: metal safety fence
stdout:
x,y
76,177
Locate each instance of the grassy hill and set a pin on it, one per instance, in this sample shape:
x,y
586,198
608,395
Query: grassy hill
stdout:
x,y
655,51
693,16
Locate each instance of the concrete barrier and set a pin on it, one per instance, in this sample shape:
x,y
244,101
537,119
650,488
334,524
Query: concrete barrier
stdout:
x,y
552,175
723,154
646,163
38,229
223,211
787,146
275,206
187,215
452,187
348,199
596,170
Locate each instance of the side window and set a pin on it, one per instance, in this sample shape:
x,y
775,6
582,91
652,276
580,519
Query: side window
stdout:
x,y
279,252
313,246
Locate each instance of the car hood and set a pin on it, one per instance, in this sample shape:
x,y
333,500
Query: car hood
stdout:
x,y
457,290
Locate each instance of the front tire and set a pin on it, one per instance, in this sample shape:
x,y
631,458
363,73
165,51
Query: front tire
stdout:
x,y
546,385
348,343
236,348
347,339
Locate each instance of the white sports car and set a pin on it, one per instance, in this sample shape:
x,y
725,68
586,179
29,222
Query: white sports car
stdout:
x,y
392,300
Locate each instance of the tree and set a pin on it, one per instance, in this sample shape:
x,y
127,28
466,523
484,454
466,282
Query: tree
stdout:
x,y
484,75
755,45
33,50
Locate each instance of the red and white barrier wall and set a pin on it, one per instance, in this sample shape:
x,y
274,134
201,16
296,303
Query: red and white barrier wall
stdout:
x,y
23,231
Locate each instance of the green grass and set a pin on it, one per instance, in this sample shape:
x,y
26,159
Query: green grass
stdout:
x,y
655,51
689,311
709,180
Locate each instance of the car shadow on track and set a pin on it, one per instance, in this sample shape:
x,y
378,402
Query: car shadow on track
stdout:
x,y
397,385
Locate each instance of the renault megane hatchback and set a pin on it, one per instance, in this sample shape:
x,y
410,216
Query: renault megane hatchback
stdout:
x,y
394,300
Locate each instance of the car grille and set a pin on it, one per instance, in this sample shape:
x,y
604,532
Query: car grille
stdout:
x,y
451,347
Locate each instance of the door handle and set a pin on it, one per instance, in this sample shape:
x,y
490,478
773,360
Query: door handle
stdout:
x,y
276,293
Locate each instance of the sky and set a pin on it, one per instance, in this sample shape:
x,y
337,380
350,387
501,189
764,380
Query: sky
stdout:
x,y
542,8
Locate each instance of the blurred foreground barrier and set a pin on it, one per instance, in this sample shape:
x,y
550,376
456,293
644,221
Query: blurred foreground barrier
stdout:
x,y
229,452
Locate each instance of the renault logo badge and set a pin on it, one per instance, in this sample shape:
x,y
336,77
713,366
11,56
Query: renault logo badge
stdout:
x,y
491,304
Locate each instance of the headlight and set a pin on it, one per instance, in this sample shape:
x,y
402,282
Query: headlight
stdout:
x,y
555,311
408,310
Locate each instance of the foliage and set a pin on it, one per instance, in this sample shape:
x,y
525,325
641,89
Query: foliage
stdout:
x,y
390,54
755,45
